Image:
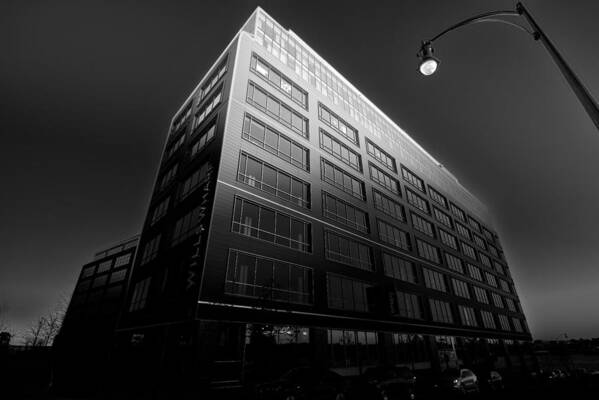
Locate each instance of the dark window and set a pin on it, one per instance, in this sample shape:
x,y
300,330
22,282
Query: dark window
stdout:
x,y
347,294
454,263
256,173
441,311
389,206
442,217
434,280
213,79
399,268
338,124
337,177
448,239
422,225
275,142
209,106
437,197
457,211
347,251
412,179
384,179
197,179
394,236
343,212
277,109
280,81
251,219
340,151
265,278
428,251
417,201
381,155
406,305
203,139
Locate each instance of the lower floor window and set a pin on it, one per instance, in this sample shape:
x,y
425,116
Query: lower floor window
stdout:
x,y
352,348
268,279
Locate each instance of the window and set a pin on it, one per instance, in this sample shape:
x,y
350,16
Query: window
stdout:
x,y
437,197
122,260
276,109
140,295
265,278
517,325
504,322
389,206
394,236
494,251
213,79
484,259
500,269
168,177
160,210
209,106
150,250
510,304
186,226
384,179
462,230
347,251
269,179
352,348
412,179
279,81
434,280
428,251
405,305
172,148
182,118
203,139
347,294
381,155
417,201
448,239
454,263
488,234
497,301
488,321
460,288
480,242
343,212
457,211
340,151
468,251
254,220
422,225
442,217
474,272
118,275
474,223
197,179
467,316
337,177
399,268
274,142
491,279
440,311
340,126
481,295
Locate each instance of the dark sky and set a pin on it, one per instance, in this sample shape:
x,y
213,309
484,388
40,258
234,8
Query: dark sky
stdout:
x,y
87,90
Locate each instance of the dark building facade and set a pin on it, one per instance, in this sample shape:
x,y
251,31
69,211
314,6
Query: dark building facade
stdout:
x,y
292,218
82,347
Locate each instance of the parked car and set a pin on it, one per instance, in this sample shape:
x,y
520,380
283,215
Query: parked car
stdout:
x,y
393,382
458,381
318,384
490,381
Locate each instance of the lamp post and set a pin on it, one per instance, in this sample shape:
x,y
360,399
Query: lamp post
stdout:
x,y
429,63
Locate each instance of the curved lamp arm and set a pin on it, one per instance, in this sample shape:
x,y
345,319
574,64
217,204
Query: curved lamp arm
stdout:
x,y
485,17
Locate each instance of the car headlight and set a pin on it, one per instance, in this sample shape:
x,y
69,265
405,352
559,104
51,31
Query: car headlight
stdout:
x,y
456,383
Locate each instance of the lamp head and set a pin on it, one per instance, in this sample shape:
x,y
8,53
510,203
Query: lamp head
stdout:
x,y
428,63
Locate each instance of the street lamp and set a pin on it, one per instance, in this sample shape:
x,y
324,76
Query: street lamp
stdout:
x,y
429,63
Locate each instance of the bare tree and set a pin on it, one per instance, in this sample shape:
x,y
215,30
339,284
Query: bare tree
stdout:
x,y
44,330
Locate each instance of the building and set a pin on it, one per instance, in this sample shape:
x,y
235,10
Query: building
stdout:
x,y
293,222
82,347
